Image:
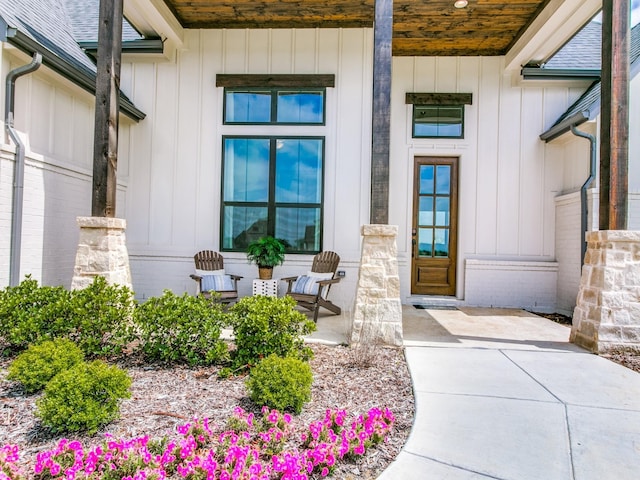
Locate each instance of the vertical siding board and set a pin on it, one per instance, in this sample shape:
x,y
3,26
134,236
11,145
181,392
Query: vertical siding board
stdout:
x,y
186,152
305,51
425,75
532,175
208,166
163,158
508,168
62,136
488,105
468,169
258,51
142,151
401,155
235,53
328,45
281,51
446,74
40,119
354,138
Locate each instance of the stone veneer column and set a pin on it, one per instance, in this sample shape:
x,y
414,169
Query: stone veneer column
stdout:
x,y
377,316
102,251
607,314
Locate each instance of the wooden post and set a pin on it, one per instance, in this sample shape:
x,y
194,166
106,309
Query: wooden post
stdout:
x,y
105,142
380,141
614,127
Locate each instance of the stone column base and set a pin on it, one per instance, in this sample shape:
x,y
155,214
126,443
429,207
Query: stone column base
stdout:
x,y
607,313
102,251
377,316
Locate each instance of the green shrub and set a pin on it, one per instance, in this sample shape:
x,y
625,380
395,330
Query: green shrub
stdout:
x,y
94,317
37,365
280,383
83,398
98,317
267,325
30,313
180,329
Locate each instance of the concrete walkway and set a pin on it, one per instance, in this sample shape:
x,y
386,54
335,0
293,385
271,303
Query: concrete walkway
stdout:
x,y
502,394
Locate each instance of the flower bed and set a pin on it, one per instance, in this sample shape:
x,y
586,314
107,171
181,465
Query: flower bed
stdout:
x,y
244,448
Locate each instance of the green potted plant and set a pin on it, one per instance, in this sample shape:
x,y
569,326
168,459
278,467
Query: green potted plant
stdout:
x,y
266,252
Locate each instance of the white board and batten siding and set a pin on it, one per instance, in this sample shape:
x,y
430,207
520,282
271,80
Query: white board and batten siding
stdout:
x,y
55,122
175,208
507,184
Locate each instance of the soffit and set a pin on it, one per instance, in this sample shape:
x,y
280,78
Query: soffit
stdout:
x,y
420,27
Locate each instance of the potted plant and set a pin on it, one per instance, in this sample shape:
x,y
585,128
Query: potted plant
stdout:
x,y
266,252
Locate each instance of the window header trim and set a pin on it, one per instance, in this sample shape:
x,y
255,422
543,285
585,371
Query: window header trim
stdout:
x,y
439,98
282,80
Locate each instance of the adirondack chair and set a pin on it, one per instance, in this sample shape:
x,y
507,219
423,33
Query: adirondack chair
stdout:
x,y
310,291
211,276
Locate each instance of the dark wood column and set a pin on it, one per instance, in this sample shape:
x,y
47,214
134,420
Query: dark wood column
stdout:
x,y
105,142
382,36
614,127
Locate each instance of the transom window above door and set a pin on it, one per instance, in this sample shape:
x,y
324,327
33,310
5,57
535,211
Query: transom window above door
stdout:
x,y
438,115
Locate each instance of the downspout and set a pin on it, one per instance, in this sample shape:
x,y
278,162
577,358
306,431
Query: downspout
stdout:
x,y
18,171
583,190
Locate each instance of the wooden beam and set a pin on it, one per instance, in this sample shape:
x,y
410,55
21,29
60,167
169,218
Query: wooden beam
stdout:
x,y
281,80
614,125
381,125
438,98
105,141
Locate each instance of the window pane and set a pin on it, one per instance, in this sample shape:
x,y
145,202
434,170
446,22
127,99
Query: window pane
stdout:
x,y
246,169
300,227
443,182
248,107
425,242
435,121
300,107
298,170
426,179
243,225
441,242
426,211
442,211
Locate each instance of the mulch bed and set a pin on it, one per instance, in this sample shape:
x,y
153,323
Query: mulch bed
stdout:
x,y
344,378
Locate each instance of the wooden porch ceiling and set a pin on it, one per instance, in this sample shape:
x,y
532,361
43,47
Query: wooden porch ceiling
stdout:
x,y
420,27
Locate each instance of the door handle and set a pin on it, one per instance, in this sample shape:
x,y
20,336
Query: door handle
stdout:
x,y
413,248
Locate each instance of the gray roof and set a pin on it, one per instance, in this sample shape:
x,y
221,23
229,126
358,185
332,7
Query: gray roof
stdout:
x,y
83,15
587,107
583,51
45,26
47,23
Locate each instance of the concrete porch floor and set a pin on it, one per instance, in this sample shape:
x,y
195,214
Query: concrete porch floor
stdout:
x,y
502,394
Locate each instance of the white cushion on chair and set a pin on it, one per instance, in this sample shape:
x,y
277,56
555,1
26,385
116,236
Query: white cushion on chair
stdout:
x,y
202,273
217,283
320,276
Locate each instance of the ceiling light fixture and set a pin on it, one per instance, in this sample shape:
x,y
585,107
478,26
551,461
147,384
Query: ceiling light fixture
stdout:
x,y
460,3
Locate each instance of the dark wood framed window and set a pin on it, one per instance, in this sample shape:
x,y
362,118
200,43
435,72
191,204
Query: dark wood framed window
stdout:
x,y
272,185
438,115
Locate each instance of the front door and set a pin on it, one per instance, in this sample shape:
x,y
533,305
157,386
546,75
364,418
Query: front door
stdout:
x,y
434,230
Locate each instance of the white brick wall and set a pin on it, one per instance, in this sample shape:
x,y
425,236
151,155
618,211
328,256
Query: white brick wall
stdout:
x,y
53,197
568,244
518,284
